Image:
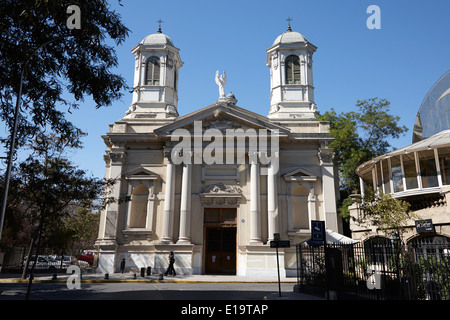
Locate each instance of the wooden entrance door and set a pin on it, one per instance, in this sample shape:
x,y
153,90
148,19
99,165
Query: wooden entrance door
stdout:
x,y
220,241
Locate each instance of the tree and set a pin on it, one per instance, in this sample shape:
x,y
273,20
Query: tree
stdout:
x,y
359,137
51,187
388,214
79,62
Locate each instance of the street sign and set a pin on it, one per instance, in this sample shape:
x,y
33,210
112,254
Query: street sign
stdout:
x,y
318,230
280,244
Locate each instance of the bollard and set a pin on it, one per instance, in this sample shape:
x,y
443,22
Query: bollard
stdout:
x,y
54,276
142,272
161,277
134,276
149,271
106,276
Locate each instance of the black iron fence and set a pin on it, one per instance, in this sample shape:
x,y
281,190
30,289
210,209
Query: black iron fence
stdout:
x,y
375,270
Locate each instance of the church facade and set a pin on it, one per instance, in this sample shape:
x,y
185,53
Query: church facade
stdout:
x,y
215,185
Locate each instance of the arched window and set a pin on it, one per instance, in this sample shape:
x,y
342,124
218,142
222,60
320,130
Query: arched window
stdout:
x,y
138,214
300,212
152,71
292,66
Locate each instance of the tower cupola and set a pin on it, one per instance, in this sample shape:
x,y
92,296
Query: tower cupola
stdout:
x,y
291,77
155,86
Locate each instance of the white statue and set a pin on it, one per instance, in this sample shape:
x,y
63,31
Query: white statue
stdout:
x,y
221,81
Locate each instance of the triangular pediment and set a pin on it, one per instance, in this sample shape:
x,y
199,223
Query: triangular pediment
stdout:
x,y
141,173
299,174
221,117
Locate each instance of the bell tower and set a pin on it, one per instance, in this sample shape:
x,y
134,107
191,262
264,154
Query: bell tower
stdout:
x,y
291,77
155,85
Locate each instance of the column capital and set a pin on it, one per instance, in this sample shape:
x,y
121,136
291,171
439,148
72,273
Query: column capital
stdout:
x,y
253,157
117,157
326,156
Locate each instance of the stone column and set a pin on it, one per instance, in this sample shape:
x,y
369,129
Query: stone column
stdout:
x,y
169,197
185,207
328,188
107,237
110,215
272,201
128,215
255,217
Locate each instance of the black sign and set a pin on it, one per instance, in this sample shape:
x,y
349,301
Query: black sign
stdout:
x,y
425,225
280,244
317,231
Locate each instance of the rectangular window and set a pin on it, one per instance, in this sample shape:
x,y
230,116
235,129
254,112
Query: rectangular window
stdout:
x,y
444,163
212,215
428,170
397,174
409,167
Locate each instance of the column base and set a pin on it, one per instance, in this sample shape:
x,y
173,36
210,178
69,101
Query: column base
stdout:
x,y
184,241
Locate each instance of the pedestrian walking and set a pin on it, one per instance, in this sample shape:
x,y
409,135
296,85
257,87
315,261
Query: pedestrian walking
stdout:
x,y
170,270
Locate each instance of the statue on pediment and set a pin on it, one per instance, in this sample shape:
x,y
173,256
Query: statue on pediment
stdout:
x,y
221,82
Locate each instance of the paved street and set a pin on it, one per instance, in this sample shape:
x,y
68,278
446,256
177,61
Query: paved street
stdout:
x,y
125,287
146,291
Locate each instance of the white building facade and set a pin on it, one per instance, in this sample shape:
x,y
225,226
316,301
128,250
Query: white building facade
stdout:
x,y
216,203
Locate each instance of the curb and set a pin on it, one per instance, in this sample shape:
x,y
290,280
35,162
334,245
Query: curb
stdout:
x,y
137,281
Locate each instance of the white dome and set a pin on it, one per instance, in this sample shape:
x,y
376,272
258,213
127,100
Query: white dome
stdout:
x,y
157,39
289,37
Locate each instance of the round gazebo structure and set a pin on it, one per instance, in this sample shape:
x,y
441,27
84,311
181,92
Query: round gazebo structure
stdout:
x,y
420,168
418,173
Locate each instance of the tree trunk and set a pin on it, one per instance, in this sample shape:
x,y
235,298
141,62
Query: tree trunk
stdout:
x,y
41,227
27,262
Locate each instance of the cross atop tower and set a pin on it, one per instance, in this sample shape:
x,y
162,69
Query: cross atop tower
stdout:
x,y
159,29
289,23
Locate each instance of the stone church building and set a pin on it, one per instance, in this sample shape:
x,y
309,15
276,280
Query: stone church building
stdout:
x,y
213,186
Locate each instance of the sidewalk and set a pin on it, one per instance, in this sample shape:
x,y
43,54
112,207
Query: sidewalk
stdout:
x,y
132,277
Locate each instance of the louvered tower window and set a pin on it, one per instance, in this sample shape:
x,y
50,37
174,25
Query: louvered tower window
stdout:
x,y
152,72
292,70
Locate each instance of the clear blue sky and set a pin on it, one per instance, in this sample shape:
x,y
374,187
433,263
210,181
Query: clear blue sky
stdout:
x,y
399,62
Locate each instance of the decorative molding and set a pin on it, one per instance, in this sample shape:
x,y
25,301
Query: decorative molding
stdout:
x,y
221,124
220,200
220,187
137,234
220,194
145,115
171,109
